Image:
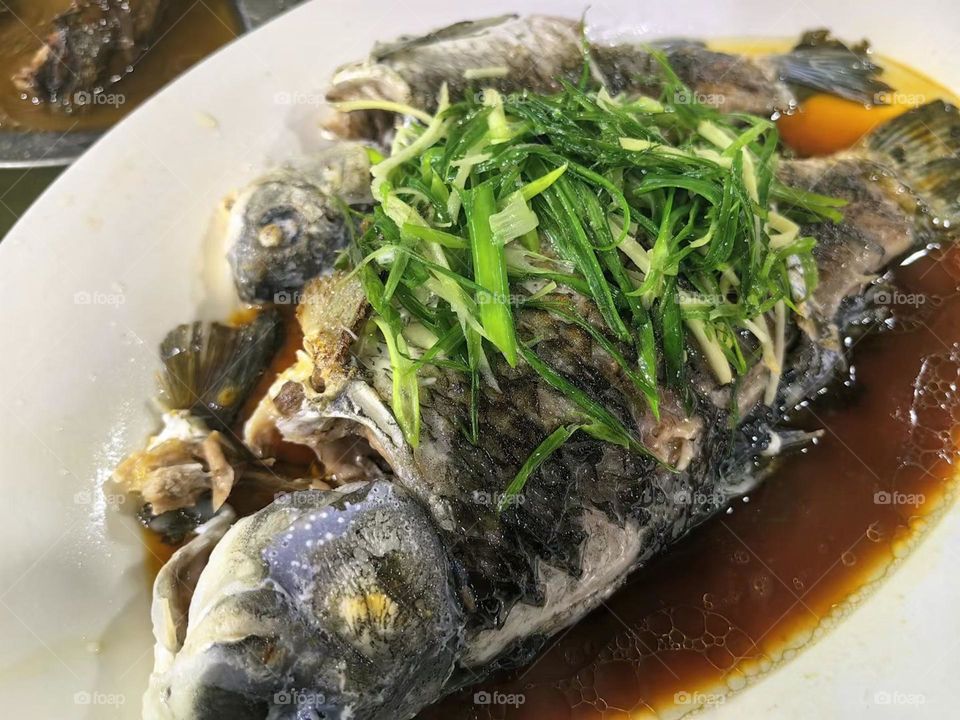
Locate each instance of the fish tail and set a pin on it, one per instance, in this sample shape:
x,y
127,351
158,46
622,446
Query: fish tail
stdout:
x,y
824,64
923,145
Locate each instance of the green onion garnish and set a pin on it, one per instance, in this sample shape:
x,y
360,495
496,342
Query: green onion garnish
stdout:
x,y
666,216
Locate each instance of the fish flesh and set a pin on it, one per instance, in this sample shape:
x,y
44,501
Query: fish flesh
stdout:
x,y
287,226
88,47
370,600
537,53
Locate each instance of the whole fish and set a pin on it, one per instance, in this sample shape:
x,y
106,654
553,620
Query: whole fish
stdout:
x,y
537,52
87,47
369,601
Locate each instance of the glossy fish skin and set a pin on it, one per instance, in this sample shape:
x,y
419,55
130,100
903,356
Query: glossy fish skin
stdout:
x,y
287,226
88,44
901,185
728,82
536,52
735,83
593,512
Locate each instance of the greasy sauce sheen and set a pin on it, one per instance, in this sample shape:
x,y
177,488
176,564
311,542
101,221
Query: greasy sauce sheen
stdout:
x,y
746,589
188,32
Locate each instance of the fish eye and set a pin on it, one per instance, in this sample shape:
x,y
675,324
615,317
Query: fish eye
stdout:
x,y
279,226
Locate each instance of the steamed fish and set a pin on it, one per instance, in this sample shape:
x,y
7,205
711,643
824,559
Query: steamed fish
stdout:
x,y
537,53
287,226
90,46
371,600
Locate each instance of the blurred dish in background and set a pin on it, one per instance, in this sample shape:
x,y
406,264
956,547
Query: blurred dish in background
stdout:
x,y
68,65
70,69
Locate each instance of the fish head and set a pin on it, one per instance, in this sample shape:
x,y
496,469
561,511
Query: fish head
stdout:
x,y
283,231
304,608
288,226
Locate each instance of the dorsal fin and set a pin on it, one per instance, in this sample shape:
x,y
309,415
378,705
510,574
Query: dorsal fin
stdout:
x,y
820,62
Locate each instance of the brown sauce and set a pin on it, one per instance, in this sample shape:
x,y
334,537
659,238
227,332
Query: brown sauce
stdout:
x,y
158,552
187,32
284,358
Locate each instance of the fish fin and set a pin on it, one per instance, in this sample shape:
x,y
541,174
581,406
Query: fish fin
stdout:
x,y
923,145
824,64
210,368
926,133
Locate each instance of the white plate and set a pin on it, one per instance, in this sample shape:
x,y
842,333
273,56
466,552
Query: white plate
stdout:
x,y
109,259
